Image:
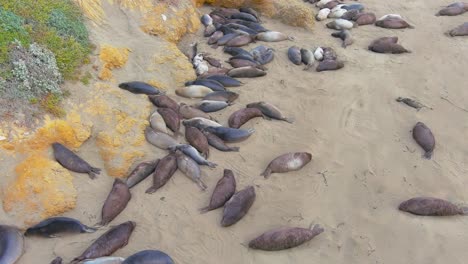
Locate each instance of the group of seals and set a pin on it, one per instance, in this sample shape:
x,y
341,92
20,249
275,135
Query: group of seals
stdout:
x,y
327,58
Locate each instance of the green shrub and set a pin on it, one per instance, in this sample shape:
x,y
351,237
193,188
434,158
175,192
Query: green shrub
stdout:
x,y
11,28
68,27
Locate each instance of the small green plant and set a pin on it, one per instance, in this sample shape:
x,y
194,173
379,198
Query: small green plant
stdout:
x,y
51,103
11,27
86,78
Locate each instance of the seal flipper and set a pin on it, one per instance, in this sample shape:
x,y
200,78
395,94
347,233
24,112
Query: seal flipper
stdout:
x,y
266,173
202,185
87,229
151,190
211,164
428,154
288,119
235,149
93,171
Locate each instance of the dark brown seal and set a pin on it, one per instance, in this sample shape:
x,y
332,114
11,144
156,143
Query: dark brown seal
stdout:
x,y
270,111
451,11
365,19
284,238
224,190
461,30
240,41
329,54
226,96
393,23
213,62
287,162
424,137
218,143
238,206
114,239
240,117
164,101
351,14
171,118
189,112
237,63
167,166
329,65
73,162
116,201
330,5
57,260
196,138
428,206
141,172
387,45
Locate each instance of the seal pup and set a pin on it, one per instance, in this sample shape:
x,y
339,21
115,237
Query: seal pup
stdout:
x,y
272,36
166,167
284,238
223,191
425,139
193,91
308,58
194,154
270,111
287,162
238,206
345,36
11,244
294,55
139,88
50,227
190,168
218,143
116,202
114,239
323,14
429,206
159,139
246,72
149,257
73,162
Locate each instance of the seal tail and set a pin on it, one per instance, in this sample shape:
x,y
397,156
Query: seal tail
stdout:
x,y
291,38
87,229
266,173
410,26
151,190
307,67
205,209
211,164
428,155
289,119
202,185
464,210
235,149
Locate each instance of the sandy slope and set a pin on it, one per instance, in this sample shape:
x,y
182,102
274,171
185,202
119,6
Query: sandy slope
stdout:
x,y
361,143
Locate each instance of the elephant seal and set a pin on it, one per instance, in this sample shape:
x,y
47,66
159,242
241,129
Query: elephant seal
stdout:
x,y
105,260
226,38
249,10
340,24
322,14
190,169
322,3
58,225
270,111
424,137
73,162
284,238
208,106
209,30
197,140
246,72
264,57
193,91
242,116
226,80
237,63
11,244
193,154
244,16
329,54
308,58
218,143
116,201
387,45
272,36
393,23
329,65
171,118
231,134
294,55
157,122
238,206
206,20
141,172
240,41
345,36
164,101
188,112
429,206
212,84
461,30
225,96
224,190
451,11
215,37
234,51
331,5
139,88
167,166
365,19
338,13
287,162
114,239
200,123
350,15
349,7
159,139
318,54
149,257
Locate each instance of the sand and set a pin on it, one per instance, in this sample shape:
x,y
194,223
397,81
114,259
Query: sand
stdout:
x,y
365,161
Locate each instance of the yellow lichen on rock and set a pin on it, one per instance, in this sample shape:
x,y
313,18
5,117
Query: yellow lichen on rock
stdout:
x,y
111,58
171,23
43,188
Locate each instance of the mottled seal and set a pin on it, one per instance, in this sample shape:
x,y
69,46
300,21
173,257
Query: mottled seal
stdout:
x,y
194,154
73,162
226,80
287,162
190,168
429,206
387,45
329,65
116,201
218,143
141,172
284,238
149,257
270,111
424,137
242,116
198,140
231,134
224,190
246,72
114,239
139,88
193,91
159,139
164,101
238,206
294,55
365,19
345,36
226,96
393,23
272,36
11,244
167,166
53,226
461,30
